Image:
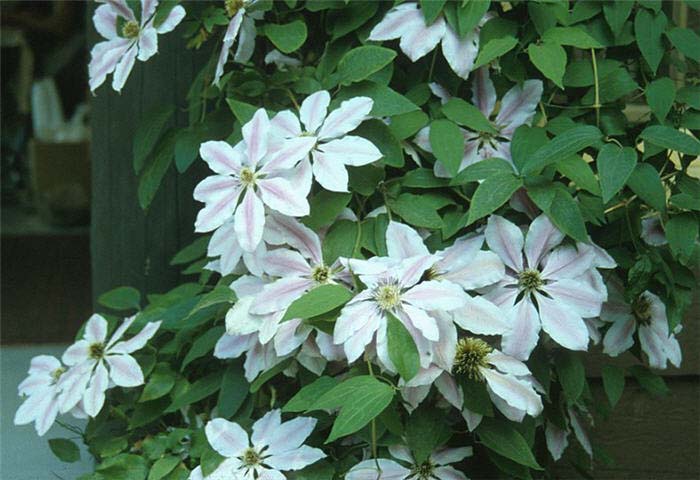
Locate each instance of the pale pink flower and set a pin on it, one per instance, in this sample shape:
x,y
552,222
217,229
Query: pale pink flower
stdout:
x,y
273,448
136,39
96,364
549,286
437,465
241,27
330,145
42,390
517,108
647,317
256,171
406,22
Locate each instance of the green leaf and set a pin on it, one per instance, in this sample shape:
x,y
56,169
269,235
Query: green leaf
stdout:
x,y
288,37
426,431
572,375
616,14
672,139
121,298
234,390
648,29
325,207
681,233
447,143
267,375
501,437
467,115
431,9
163,466
305,398
160,383
402,349
220,294
340,241
417,210
649,381
469,14
491,194
493,49
154,172
317,301
561,146
241,110
576,169
408,124
660,95
210,461
481,170
203,345
361,62
646,183
360,400
191,252
350,19
565,213
526,141
383,138
123,467
387,102
550,59
613,383
686,41
199,390
66,450
615,165
572,36
476,397
148,132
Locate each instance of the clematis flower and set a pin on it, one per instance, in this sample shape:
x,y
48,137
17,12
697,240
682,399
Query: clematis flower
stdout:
x,y
42,390
274,447
549,286
281,61
517,108
241,27
136,39
647,316
436,466
406,22
89,377
330,147
509,382
395,288
256,172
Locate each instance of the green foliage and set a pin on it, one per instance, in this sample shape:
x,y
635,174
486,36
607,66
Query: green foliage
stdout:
x,y
66,450
402,349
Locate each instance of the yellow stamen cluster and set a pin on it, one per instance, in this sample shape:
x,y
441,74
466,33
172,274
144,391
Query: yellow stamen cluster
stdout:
x,y
424,471
641,309
96,350
321,274
471,358
530,280
131,29
251,457
247,177
233,6
388,296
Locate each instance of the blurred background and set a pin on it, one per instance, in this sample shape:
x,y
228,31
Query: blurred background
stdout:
x,y
72,229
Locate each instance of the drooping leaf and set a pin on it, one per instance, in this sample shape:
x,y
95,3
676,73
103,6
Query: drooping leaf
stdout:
x,y
66,450
613,383
402,349
550,59
648,31
615,165
491,194
501,437
447,143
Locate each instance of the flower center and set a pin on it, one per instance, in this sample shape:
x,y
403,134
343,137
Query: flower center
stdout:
x,y
56,374
321,274
388,296
530,280
96,350
233,6
471,358
641,309
431,274
423,471
131,29
247,177
251,457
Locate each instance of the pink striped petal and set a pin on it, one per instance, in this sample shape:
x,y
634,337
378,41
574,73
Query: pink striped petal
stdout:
x,y
480,316
76,353
124,371
265,428
221,157
123,68
285,124
353,317
249,221
351,150
418,39
448,473
279,294
563,325
519,104
396,22
436,295
96,329
583,299
445,456
460,53
330,173
524,333
377,469
409,271
281,230
313,110
421,321
567,262
345,118
279,194
232,346
291,435
542,237
121,329
288,153
105,21
474,271
507,364
148,43
46,414
173,19
122,9
506,240
402,241
516,393
556,439
227,438
295,459
619,337
138,341
255,135
283,263
449,389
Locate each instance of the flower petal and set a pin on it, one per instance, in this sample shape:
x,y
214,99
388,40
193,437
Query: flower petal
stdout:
x,y
480,316
330,173
105,21
96,329
123,68
506,241
448,473
285,154
351,150
249,221
436,295
352,317
445,456
279,294
232,346
567,262
448,388
345,118
138,341
313,110
148,43
377,469
402,241
507,364
583,299
76,353
221,157
176,15
522,338
279,194
124,371
477,270
255,135
564,326
94,397
542,237
295,459
516,393
264,429
291,435
280,230
460,53
396,22
283,262
227,438
557,440
420,39
518,105
421,321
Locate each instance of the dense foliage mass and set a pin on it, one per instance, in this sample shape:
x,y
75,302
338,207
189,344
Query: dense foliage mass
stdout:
x,y
421,217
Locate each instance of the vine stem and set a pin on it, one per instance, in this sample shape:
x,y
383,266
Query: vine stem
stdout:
x,y
596,87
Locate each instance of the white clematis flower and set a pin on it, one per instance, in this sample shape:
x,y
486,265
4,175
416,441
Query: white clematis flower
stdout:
x,y
95,363
406,22
330,145
256,171
137,39
436,466
274,447
42,390
517,108
646,316
549,286
241,27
